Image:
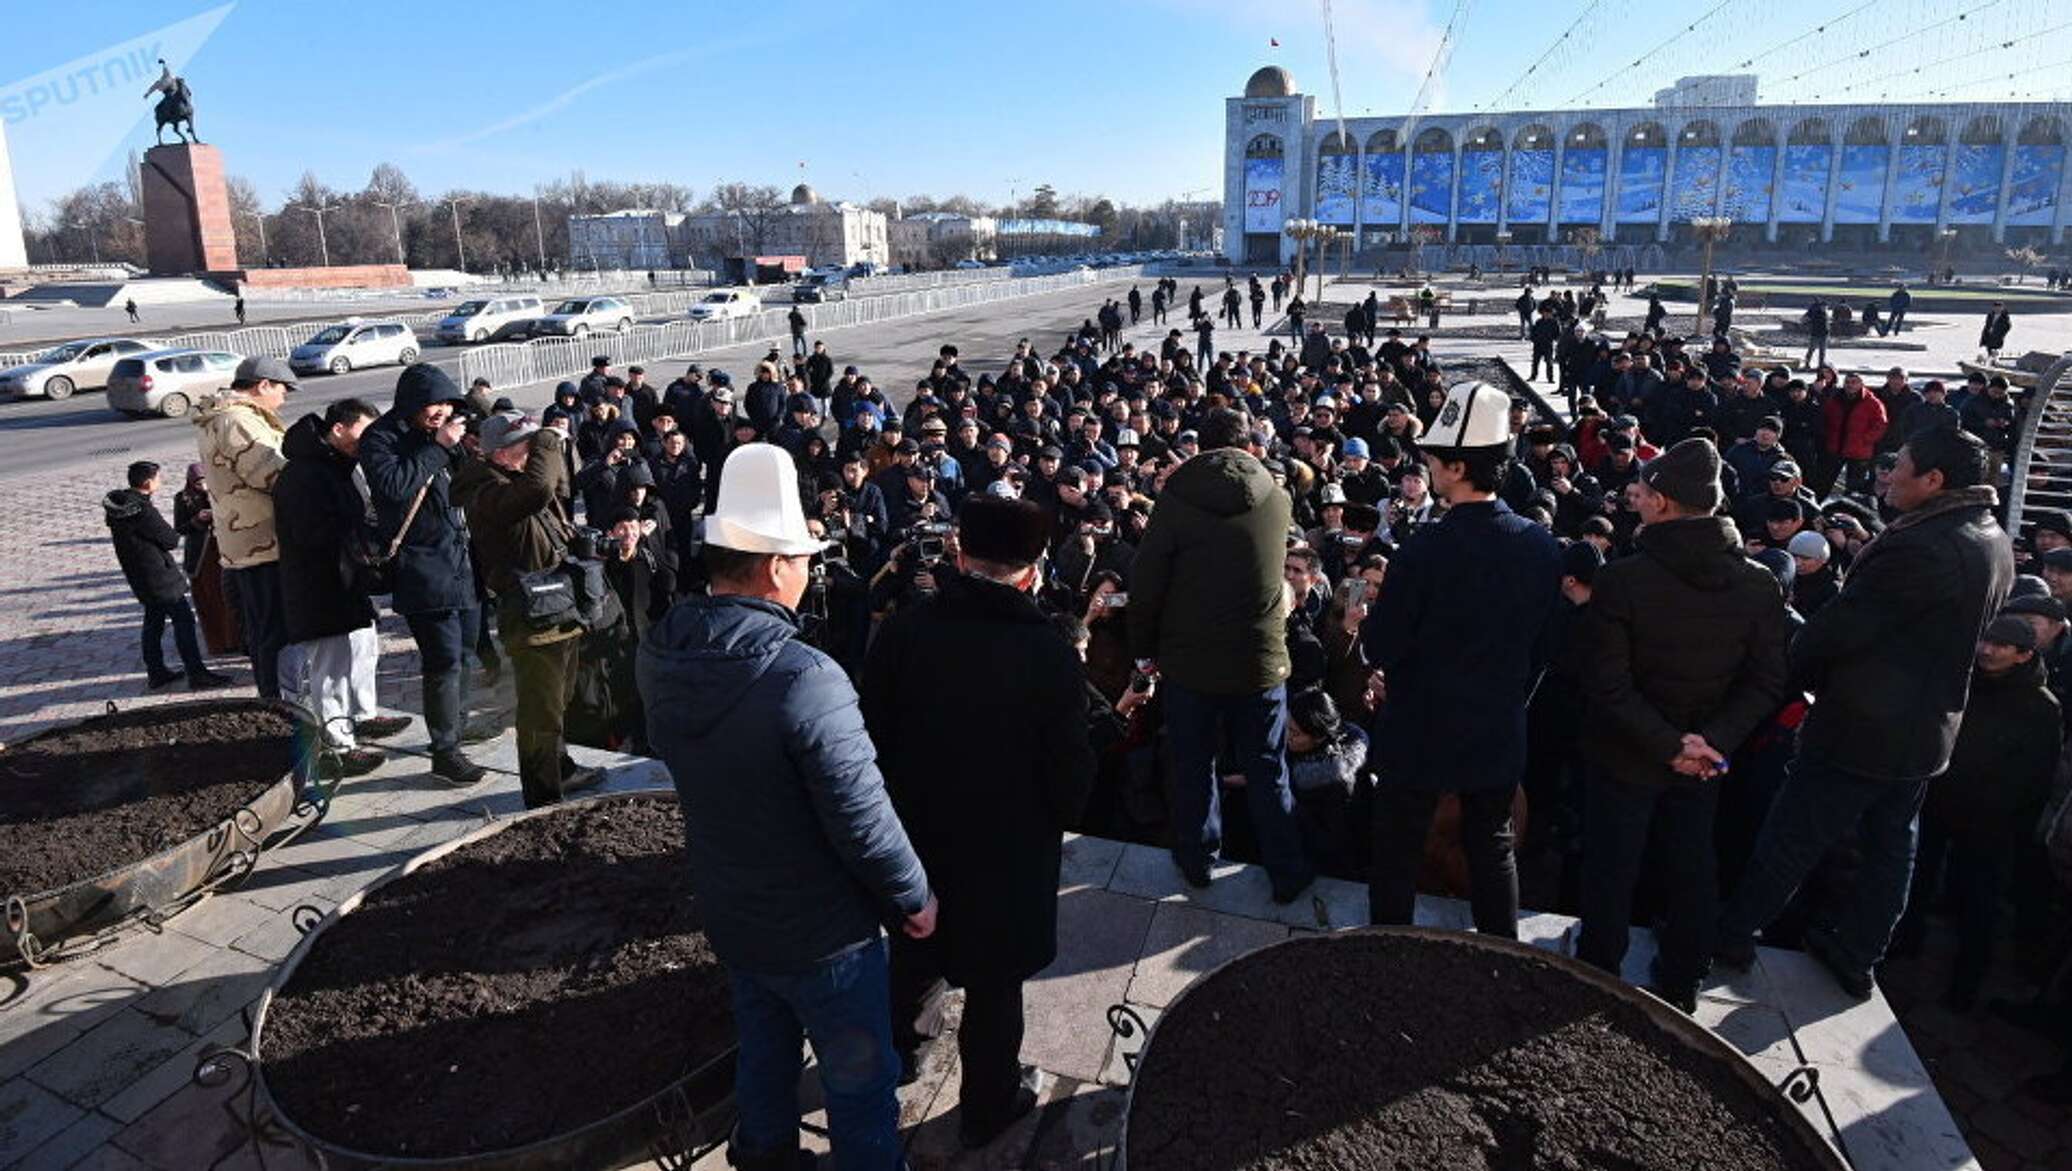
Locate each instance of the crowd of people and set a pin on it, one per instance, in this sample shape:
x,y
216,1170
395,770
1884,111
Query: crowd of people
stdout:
x,y
1705,650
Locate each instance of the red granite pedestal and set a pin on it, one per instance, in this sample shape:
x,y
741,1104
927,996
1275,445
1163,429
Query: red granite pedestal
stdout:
x,y
187,224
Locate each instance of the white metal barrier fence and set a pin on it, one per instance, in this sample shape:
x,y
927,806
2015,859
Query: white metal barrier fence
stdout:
x,y
545,359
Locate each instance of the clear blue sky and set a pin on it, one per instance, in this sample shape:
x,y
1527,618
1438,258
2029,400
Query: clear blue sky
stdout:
x,y
1094,96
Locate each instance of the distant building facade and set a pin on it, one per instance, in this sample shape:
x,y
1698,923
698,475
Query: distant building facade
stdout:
x,y
1800,175
934,239
634,239
824,233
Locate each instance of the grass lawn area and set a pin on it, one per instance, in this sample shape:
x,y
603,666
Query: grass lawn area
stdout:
x,y
1982,294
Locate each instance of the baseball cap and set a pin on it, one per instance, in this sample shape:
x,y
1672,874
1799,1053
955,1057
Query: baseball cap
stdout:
x,y
1784,469
1001,441
265,369
505,428
2058,559
1356,448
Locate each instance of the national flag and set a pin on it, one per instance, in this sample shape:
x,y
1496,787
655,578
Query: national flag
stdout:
x,y
1273,43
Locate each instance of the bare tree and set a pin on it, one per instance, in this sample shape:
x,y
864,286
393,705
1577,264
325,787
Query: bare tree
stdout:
x,y
755,209
2025,258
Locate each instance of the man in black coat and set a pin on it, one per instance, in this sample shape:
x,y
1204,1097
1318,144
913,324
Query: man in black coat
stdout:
x,y
1460,632
329,664
1889,664
144,545
408,457
1685,659
975,702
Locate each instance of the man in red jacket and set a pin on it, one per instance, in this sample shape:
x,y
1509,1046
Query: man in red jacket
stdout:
x,y
1853,422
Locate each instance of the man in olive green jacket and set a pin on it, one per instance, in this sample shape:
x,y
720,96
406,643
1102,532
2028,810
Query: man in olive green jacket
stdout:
x,y
1208,616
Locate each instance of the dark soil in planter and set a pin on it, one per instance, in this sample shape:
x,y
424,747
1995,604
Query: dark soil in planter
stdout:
x,y
523,986
80,801
1373,1051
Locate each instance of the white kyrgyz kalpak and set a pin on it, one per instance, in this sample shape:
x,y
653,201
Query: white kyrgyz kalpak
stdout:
x,y
759,510
1476,414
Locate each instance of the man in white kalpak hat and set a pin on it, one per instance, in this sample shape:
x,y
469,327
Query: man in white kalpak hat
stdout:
x,y
796,856
1459,634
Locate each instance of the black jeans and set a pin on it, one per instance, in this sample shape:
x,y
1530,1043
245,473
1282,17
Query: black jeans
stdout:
x,y
258,590
1402,821
545,677
1973,872
1623,818
443,638
1539,356
156,614
989,1039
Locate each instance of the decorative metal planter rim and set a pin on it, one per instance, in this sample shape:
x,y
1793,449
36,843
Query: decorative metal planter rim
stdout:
x,y
1678,1025
542,1153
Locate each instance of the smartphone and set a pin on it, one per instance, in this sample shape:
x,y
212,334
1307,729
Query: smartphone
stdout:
x,y
1140,682
1116,601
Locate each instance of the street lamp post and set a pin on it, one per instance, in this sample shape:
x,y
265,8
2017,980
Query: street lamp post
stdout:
x,y
93,238
1302,232
1709,230
323,242
539,233
459,249
259,218
396,222
1946,238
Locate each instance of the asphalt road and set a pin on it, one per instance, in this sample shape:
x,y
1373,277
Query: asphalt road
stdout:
x,y
39,436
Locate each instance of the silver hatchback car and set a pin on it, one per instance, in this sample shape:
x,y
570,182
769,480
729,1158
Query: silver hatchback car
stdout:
x,y
169,382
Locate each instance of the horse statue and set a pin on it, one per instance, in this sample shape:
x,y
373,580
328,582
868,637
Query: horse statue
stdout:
x,y
176,107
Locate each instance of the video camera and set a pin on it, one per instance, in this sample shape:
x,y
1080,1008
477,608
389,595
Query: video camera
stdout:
x,y
927,540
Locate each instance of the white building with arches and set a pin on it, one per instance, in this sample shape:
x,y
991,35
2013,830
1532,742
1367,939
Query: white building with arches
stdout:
x,y
1790,175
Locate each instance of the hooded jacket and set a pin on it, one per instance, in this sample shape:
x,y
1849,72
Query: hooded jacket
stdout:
x,y
1206,588
144,546
319,506
795,853
241,455
398,457
1889,659
1688,635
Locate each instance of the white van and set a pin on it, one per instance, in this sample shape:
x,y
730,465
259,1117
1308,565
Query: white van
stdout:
x,y
490,320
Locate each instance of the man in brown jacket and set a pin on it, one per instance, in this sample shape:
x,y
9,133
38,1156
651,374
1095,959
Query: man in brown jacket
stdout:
x,y
240,442
512,496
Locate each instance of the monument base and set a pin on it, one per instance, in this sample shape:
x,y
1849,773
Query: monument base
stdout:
x,y
187,224
340,276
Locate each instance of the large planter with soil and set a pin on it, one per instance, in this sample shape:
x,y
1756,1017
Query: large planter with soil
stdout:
x,y
130,817
536,994
1408,1047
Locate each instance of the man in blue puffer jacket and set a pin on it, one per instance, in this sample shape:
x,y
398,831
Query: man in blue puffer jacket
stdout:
x,y
795,852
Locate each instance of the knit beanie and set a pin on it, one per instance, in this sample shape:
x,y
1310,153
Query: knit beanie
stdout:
x,y
1687,473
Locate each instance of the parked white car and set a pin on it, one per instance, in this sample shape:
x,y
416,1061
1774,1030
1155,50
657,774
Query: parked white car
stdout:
x,y
725,305
581,316
80,365
169,382
355,345
490,320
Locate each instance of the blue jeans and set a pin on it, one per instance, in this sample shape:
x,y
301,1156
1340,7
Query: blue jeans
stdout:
x,y
1818,805
1257,726
443,638
843,1006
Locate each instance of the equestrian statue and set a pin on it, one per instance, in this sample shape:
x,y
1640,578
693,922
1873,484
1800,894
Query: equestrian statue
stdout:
x,y
176,107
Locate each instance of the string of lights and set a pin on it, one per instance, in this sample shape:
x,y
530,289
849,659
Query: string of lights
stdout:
x,y
2001,46
1861,54
1815,31
1559,41
1638,61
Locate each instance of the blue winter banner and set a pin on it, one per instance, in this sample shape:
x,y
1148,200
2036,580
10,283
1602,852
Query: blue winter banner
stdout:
x,y
1263,195
1531,195
1640,184
1481,174
1582,186
1381,190
1917,192
1804,197
1696,192
1337,182
1975,183
2032,194
1860,186
1751,172
1431,188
